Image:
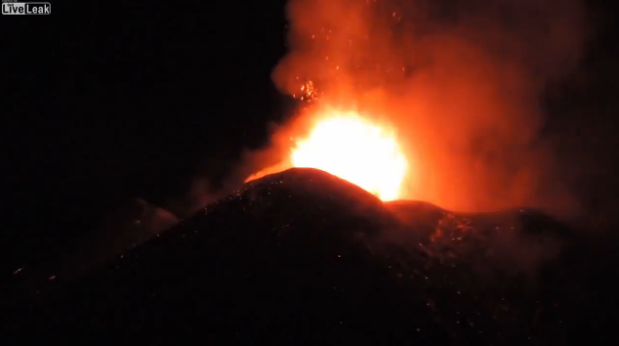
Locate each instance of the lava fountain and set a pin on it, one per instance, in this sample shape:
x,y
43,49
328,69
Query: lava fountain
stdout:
x,y
351,147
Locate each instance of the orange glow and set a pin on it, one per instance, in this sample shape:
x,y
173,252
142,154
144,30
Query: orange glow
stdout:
x,y
459,83
353,148
347,146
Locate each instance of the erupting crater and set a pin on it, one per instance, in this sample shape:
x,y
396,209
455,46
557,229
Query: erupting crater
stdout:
x,y
351,147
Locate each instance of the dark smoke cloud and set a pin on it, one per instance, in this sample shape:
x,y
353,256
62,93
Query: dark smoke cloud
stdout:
x,y
461,80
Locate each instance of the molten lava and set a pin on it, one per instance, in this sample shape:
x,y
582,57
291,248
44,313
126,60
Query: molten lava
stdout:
x,y
352,148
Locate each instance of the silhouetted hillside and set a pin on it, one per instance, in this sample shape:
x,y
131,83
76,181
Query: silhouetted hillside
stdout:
x,y
302,257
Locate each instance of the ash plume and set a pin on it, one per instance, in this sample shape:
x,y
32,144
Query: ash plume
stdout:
x,y
460,80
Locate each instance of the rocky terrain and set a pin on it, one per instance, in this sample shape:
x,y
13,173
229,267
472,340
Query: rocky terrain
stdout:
x,y
302,257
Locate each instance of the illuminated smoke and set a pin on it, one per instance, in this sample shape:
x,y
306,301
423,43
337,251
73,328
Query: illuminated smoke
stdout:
x,y
460,80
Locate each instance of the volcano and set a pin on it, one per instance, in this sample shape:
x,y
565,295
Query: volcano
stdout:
x,y
303,257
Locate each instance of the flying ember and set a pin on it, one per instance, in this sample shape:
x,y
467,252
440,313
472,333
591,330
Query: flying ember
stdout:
x,y
350,147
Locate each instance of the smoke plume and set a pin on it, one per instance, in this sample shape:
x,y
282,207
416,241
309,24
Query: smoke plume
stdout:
x,y
460,80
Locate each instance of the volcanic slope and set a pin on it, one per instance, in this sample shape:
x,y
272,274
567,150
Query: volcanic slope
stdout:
x,y
302,257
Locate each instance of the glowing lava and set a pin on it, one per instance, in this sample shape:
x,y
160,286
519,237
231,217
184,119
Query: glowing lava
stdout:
x,y
352,148
347,146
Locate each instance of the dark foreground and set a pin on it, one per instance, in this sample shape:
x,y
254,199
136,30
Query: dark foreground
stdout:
x,y
302,258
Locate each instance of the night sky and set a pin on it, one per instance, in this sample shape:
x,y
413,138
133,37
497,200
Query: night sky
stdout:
x,y
107,101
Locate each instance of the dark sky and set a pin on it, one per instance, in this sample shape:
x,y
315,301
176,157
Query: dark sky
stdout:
x,y
106,101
